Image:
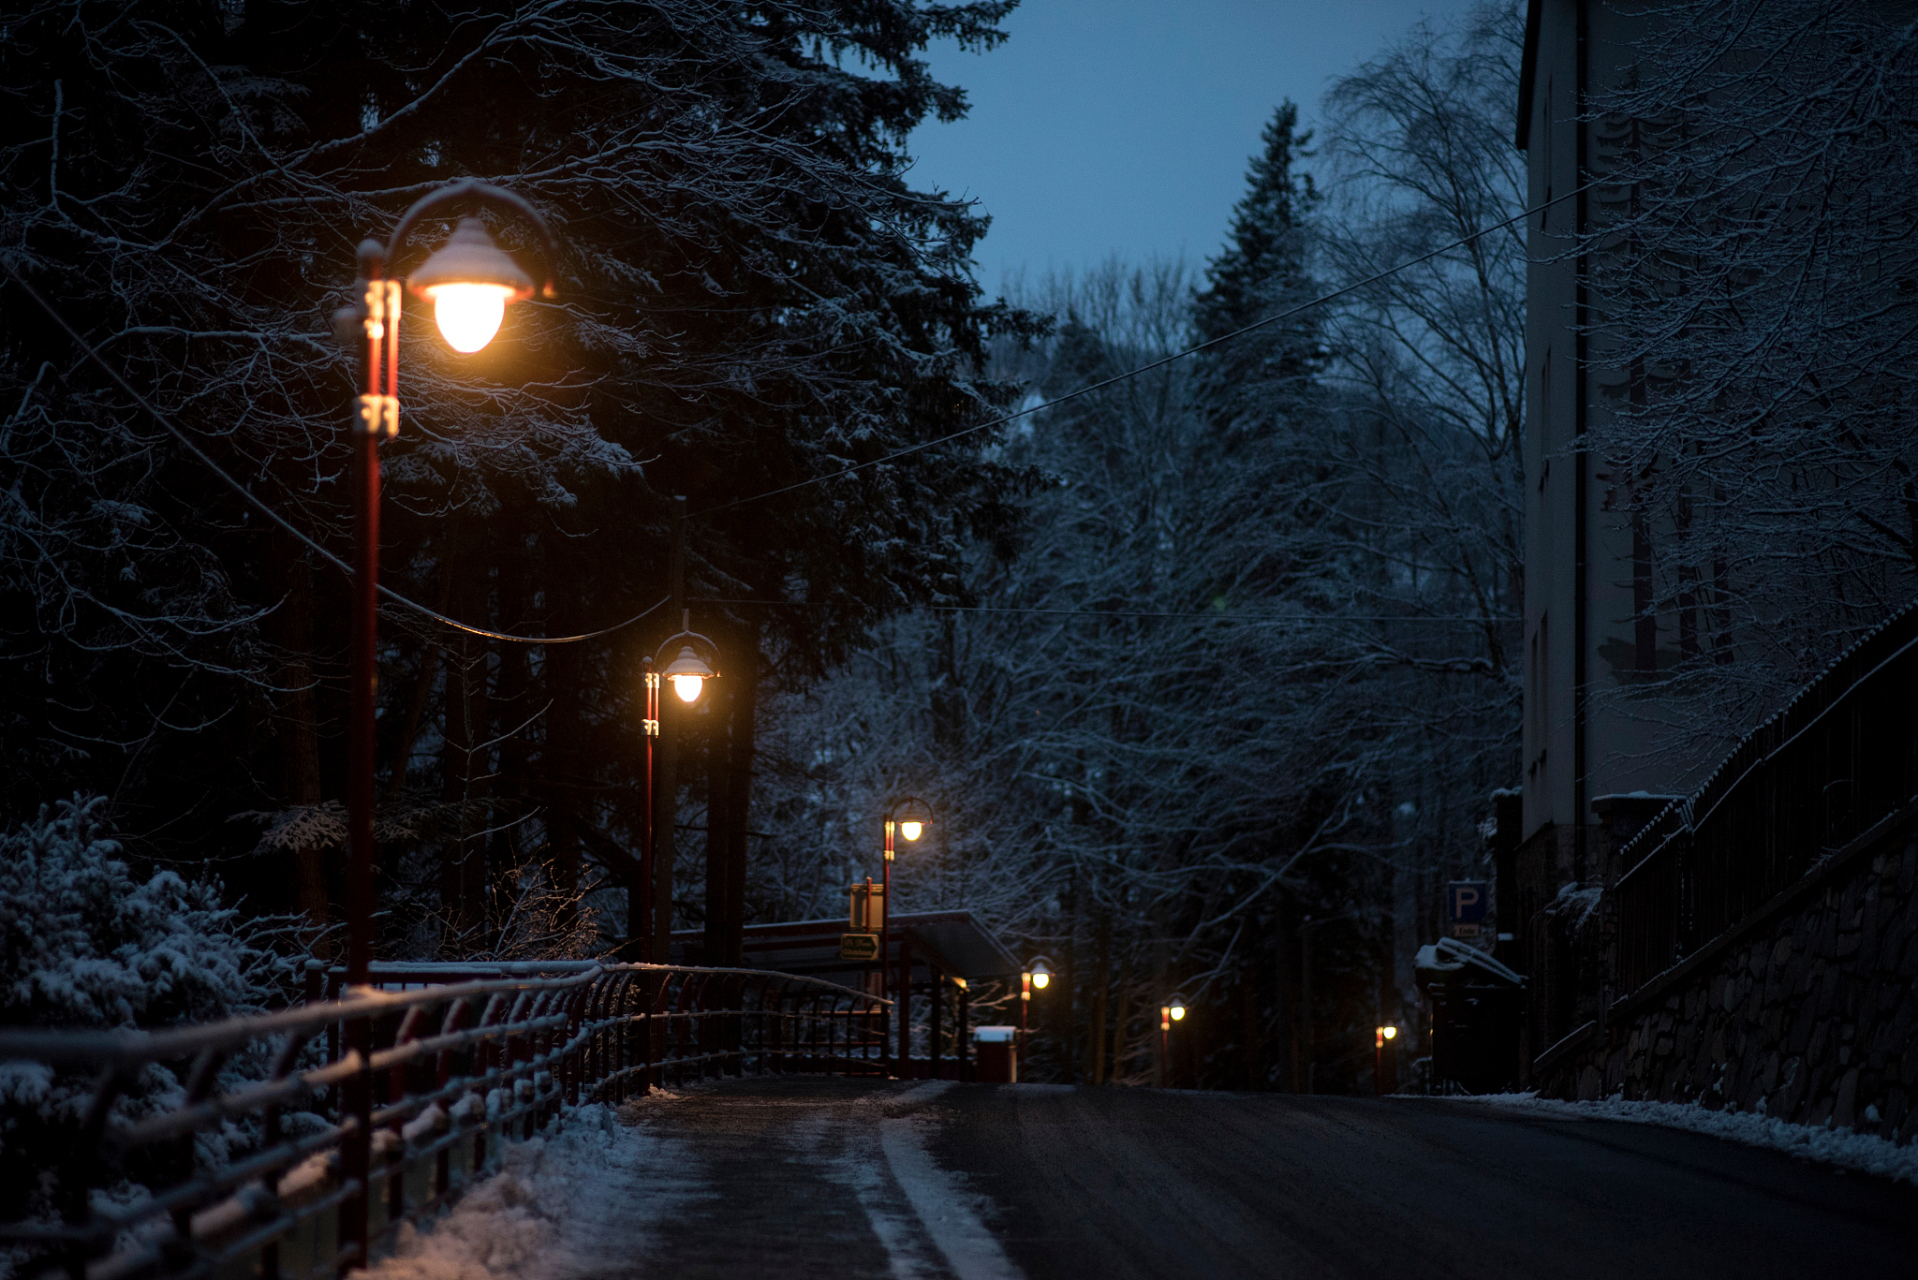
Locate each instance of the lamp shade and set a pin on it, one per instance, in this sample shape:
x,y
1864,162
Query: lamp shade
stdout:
x,y
688,674
912,815
469,280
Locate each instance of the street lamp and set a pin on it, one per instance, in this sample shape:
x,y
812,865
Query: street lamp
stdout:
x,y
696,662
908,817
1387,1032
1170,1012
469,280
1035,978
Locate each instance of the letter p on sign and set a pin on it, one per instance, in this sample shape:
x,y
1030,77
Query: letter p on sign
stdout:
x,y
1465,901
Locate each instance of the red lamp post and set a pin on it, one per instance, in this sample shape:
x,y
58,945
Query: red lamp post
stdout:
x,y
1384,1033
909,817
1035,978
1170,1012
688,670
470,281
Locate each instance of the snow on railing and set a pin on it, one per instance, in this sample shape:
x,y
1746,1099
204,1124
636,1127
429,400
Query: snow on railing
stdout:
x,y
380,1105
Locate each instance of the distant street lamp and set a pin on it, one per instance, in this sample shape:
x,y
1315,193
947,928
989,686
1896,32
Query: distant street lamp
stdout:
x,y
469,281
696,662
1035,978
1387,1032
908,817
1170,1012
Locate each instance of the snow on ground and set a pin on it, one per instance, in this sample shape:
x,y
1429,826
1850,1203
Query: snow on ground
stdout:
x,y
1861,1152
570,1203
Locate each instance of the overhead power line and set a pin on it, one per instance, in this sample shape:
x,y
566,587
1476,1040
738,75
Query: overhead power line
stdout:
x,y
266,510
1160,363
260,505
1199,615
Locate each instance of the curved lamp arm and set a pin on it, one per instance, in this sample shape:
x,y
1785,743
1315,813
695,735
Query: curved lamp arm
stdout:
x,y
922,812
484,193
707,650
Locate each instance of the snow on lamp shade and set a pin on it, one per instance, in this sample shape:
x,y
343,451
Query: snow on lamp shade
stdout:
x,y
469,280
688,674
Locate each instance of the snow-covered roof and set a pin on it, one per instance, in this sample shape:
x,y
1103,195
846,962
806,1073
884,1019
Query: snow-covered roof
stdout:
x,y
1448,959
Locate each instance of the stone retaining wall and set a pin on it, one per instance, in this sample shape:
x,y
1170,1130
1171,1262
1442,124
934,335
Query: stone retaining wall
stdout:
x,y
1807,1011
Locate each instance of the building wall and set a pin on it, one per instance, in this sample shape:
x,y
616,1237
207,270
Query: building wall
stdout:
x,y
1586,652
1807,1009
1807,1012
1584,643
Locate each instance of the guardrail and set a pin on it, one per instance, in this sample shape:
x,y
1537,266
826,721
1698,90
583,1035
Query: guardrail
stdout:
x,y
400,1097
1837,760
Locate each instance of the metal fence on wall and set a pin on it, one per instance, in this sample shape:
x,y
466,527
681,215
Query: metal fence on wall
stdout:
x,y
336,1145
1838,760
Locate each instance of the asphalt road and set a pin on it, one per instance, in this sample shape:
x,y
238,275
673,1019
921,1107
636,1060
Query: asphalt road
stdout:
x,y
801,1177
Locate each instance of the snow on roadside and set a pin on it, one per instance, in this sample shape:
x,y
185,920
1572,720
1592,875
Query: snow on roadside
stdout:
x,y
575,1202
1861,1152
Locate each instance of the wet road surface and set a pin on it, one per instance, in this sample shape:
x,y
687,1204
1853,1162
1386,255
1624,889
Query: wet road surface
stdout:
x,y
807,1177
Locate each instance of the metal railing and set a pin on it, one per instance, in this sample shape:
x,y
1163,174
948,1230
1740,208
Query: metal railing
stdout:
x,y
400,1097
1840,758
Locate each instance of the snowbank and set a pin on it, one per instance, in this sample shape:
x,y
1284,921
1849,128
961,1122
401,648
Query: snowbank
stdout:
x,y
579,1201
1864,1153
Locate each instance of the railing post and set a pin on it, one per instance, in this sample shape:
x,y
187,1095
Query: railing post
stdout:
x,y
935,999
647,1032
356,1146
578,1056
628,1026
902,1005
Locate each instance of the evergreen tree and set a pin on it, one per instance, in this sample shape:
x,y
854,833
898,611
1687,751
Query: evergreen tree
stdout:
x,y
1251,382
751,296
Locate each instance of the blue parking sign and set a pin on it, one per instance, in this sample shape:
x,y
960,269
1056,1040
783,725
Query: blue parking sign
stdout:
x,y
1466,900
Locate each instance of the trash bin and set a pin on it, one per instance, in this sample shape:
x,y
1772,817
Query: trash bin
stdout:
x,y
1478,1008
996,1054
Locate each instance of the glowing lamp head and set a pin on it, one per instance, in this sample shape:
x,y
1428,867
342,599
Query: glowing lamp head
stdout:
x,y
469,314
1390,1032
909,817
688,674
1178,1012
1041,974
469,280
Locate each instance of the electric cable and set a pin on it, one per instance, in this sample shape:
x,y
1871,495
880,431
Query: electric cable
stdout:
x,y
1190,615
260,505
1160,363
266,510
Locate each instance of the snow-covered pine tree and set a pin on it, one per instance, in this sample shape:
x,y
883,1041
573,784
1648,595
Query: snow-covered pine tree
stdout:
x,y
753,294
1252,382
88,943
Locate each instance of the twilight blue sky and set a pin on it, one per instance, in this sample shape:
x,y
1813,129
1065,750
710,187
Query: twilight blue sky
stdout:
x,y
1125,126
